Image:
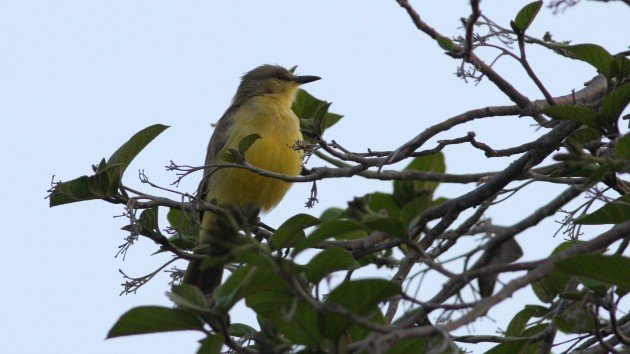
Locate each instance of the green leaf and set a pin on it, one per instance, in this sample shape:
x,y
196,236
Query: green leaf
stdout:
x,y
233,289
508,252
533,348
596,286
307,107
360,297
104,183
620,67
300,328
383,204
212,344
512,347
406,191
253,255
584,135
266,279
445,43
183,241
527,14
608,269
247,142
414,208
292,231
520,346
328,261
149,221
577,114
241,330
597,174
153,319
231,156
412,345
519,322
614,212
331,214
101,165
573,295
267,303
575,319
429,163
183,222
595,55
356,332
188,297
623,146
390,226
272,299
554,283
615,102
341,229
129,150
331,119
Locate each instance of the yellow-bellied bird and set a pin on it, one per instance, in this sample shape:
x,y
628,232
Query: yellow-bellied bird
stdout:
x,y
262,105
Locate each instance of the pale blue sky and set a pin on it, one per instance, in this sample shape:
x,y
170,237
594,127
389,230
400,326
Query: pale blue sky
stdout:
x,y
77,78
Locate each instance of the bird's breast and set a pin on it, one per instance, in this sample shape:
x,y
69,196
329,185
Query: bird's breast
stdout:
x,y
279,130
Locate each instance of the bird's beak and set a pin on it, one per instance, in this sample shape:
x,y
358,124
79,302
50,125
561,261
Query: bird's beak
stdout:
x,y
305,79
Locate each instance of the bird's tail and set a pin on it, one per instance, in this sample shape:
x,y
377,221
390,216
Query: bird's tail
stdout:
x,y
205,278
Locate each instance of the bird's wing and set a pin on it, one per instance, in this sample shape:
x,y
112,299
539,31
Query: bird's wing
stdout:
x,y
218,140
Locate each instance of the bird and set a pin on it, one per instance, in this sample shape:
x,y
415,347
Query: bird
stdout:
x,y
261,105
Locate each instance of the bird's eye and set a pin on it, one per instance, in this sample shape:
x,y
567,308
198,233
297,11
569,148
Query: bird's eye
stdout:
x,y
281,76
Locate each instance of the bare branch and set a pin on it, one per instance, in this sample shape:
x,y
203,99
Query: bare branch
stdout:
x,y
600,242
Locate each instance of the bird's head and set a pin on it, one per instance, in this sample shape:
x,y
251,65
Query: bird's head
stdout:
x,y
271,80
